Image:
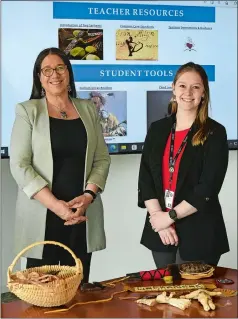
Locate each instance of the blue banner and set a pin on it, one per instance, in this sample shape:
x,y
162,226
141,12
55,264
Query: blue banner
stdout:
x,y
135,12
130,73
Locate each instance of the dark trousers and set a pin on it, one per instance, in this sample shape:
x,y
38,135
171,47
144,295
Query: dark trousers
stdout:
x,y
162,259
65,259
73,237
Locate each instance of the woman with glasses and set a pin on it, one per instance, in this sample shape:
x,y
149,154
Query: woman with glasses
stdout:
x,y
60,162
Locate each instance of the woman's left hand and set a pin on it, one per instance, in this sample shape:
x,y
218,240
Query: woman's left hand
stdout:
x,y
78,217
160,220
81,201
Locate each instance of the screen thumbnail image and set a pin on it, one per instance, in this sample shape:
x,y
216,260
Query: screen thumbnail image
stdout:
x,y
157,105
81,44
137,44
112,110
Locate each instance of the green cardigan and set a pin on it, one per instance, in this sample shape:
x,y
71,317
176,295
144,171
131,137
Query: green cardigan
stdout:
x,y
31,165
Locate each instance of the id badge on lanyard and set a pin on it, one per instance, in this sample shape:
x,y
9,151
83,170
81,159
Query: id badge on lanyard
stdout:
x,y
169,198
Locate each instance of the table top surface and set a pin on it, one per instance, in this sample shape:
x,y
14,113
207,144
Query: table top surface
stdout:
x,y
226,307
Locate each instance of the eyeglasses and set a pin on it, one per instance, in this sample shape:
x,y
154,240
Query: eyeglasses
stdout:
x,y
60,69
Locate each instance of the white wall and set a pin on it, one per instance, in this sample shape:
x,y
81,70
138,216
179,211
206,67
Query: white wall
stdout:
x,y
123,220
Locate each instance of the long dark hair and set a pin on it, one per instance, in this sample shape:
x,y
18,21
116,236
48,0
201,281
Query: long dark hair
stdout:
x,y
202,114
37,87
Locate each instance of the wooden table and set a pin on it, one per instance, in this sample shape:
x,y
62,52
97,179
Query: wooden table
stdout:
x,y
226,308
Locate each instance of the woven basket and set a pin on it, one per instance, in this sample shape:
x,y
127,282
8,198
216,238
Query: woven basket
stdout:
x,y
197,275
51,294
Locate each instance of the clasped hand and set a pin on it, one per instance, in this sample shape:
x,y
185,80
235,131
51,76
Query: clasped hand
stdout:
x,y
161,223
160,220
80,203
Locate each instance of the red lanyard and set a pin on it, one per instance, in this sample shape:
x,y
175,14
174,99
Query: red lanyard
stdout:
x,y
172,158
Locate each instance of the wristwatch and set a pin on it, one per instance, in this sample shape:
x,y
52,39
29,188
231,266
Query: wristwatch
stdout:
x,y
173,215
94,195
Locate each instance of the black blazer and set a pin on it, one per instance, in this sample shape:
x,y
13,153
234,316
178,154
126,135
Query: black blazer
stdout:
x,y
201,173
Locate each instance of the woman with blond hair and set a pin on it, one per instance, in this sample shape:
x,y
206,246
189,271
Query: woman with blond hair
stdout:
x,y
182,169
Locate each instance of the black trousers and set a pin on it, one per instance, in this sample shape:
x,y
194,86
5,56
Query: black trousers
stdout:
x,y
162,259
73,237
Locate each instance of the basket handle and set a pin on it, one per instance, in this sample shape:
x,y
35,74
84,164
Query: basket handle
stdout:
x,y
78,262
